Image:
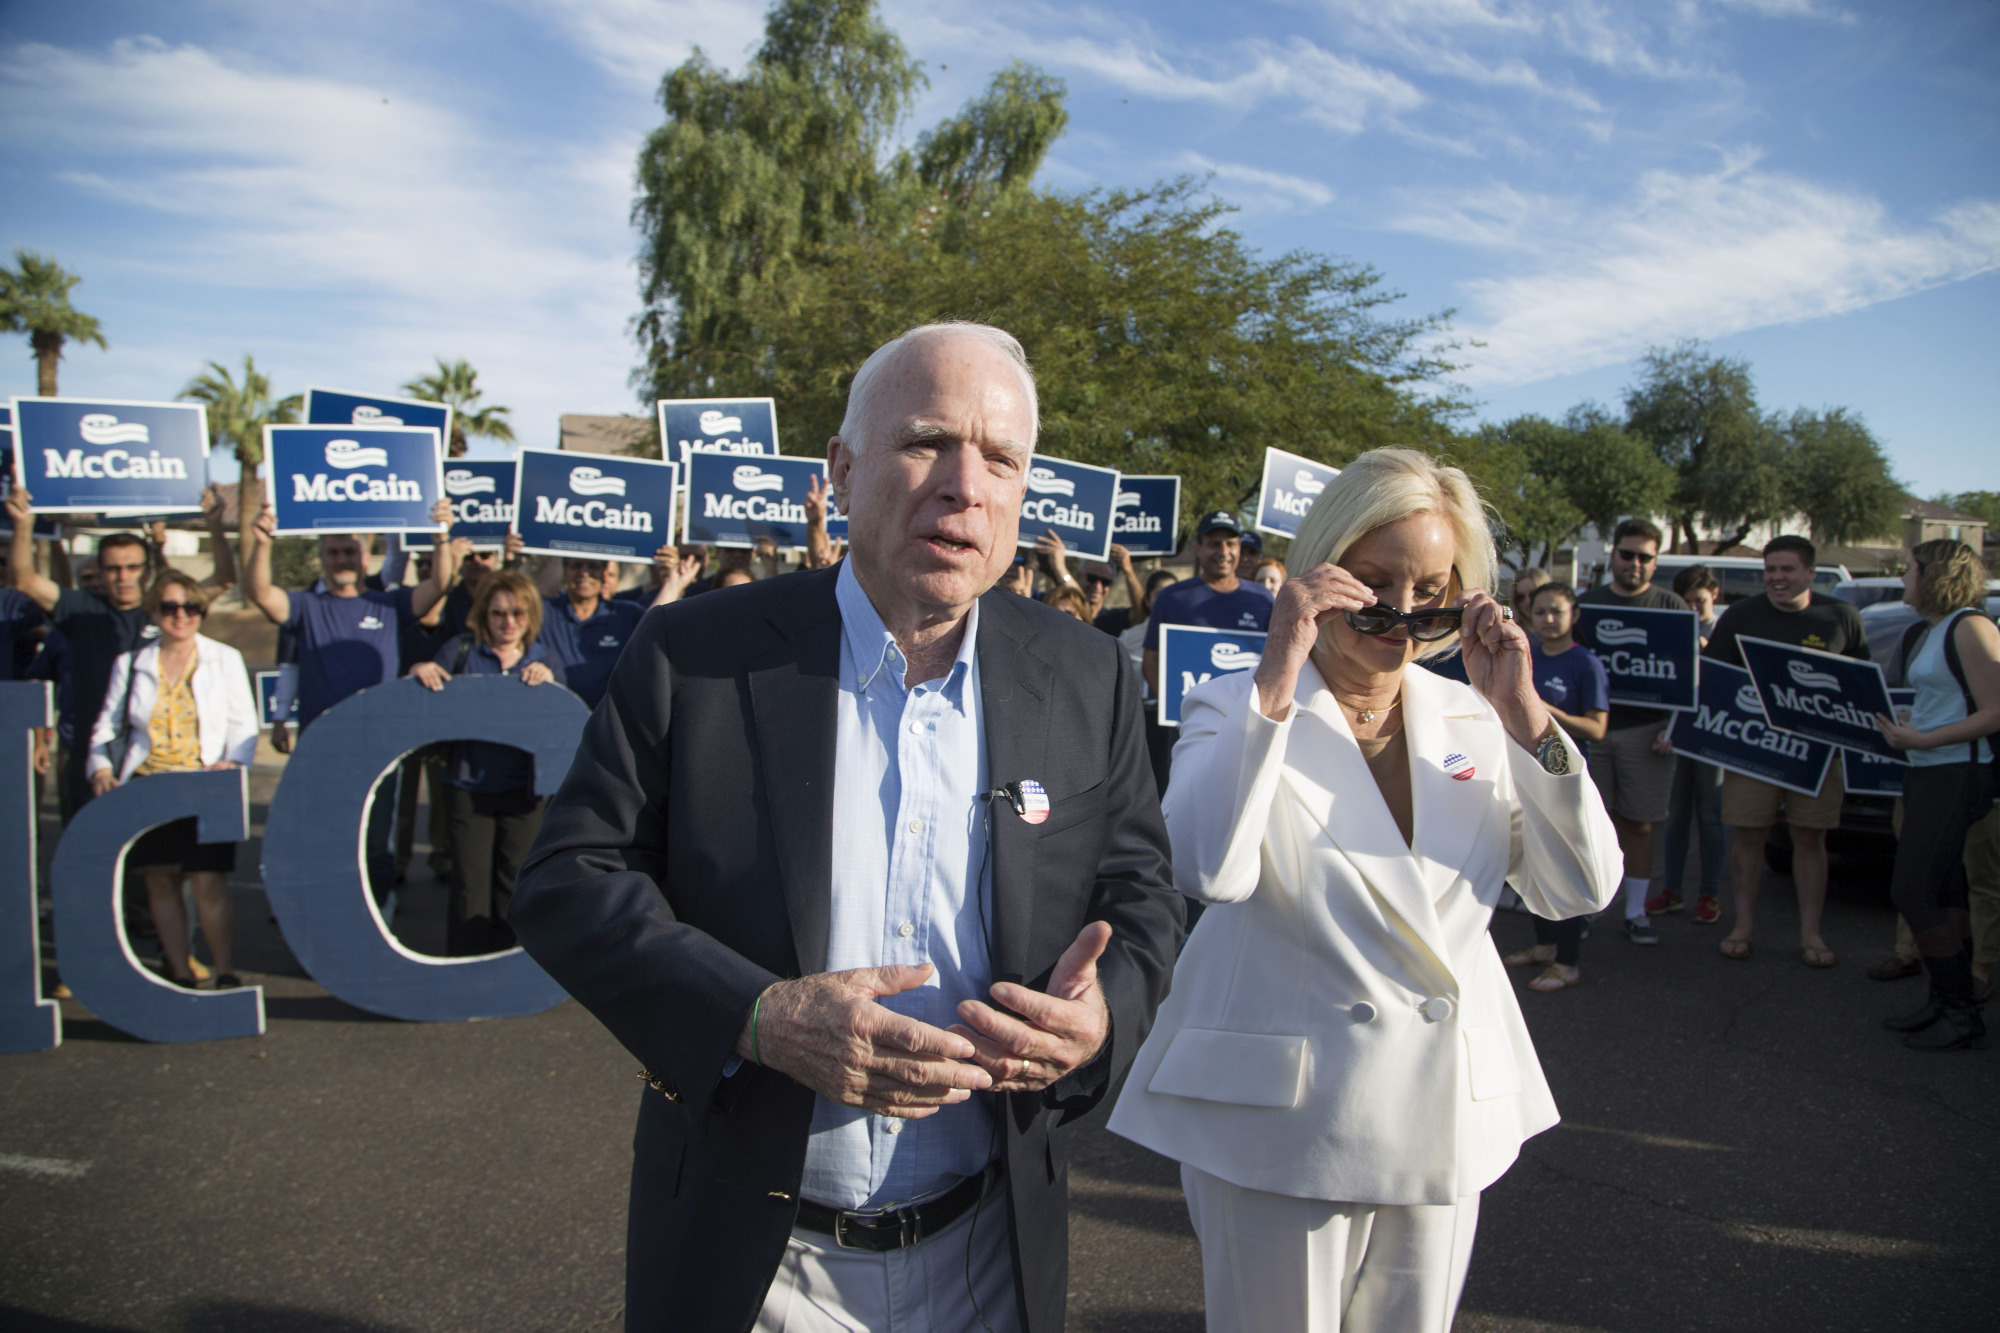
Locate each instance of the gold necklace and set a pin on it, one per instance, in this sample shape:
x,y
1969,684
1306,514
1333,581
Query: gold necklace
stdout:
x,y
1367,715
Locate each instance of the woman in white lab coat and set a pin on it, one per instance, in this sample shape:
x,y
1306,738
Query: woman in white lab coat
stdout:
x,y
1342,1067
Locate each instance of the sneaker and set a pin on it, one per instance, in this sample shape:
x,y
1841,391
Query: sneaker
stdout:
x,y
1638,930
1707,910
1661,903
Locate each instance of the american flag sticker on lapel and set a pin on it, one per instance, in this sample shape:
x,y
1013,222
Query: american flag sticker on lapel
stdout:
x,y
1458,767
1031,802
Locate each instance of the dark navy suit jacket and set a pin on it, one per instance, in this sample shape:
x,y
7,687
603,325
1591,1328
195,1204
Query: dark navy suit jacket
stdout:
x,y
686,865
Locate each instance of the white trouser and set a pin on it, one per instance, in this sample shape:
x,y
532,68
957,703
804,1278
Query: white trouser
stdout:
x,y
1274,1264
821,1288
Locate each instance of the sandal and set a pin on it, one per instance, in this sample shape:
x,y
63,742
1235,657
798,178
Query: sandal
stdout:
x,y
227,981
1525,958
1816,955
1552,979
1732,947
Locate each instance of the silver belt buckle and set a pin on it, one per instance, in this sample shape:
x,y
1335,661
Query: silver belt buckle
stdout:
x,y
905,1219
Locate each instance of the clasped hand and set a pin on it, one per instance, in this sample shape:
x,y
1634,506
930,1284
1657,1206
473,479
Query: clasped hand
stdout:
x,y
829,1033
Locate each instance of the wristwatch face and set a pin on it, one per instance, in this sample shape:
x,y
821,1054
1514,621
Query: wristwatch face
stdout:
x,y
1554,755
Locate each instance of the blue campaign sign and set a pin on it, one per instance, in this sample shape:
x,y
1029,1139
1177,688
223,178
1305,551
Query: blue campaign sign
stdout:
x,y
601,505
101,455
1074,500
732,501
1872,775
1822,696
1727,728
1653,657
717,426
267,700
1291,483
481,491
336,407
1190,654
1146,517
354,478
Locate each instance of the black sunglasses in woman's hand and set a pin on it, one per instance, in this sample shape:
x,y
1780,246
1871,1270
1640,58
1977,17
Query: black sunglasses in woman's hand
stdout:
x,y
1425,626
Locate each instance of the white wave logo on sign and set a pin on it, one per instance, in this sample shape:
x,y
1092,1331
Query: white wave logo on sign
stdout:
x,y
103,428
1232,657
1127,499
372,416
1803,673
1307,484
750,477
460,482
350,454
590,481
1748,702
718,423
1617,632
1042,481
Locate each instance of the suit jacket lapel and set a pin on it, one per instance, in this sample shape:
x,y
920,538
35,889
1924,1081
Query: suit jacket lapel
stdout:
x,y
1450,812
1014,685
1328,774
794,697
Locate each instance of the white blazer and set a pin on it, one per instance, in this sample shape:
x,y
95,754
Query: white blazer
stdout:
x,y
226,713
1340,1025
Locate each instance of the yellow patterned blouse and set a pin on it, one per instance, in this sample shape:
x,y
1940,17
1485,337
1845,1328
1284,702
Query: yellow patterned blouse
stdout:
x,y
175,728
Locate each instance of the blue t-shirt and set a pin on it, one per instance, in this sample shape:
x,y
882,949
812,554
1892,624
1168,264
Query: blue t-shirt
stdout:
x,y
1574,681
346,644
18,615
486,766
588,649
1192,602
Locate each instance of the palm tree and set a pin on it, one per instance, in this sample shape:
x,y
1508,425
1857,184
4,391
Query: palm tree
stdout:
x,y
237,415
34,299
456,385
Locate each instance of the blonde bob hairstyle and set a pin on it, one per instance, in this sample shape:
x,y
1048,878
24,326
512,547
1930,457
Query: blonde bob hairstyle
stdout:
x,y
1950,576
1385,486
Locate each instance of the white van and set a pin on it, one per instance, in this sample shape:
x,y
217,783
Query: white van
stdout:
x,y
1740,575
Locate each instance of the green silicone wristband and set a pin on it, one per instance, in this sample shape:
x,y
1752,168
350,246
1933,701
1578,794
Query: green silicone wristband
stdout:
x,y
756,1041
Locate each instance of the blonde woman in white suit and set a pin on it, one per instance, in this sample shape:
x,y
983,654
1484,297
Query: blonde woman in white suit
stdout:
x,y
1341,1066
179,704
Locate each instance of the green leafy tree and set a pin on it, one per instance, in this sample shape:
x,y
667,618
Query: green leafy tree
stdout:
x,y
238,411
1550,480
1984,504
1700,416
34,299
1838,478
784,243
456,385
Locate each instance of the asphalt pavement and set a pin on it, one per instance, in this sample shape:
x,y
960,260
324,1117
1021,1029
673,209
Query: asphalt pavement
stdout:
x,y
1742,1147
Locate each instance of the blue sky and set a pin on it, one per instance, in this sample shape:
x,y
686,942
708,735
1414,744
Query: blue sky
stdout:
x,y
349,189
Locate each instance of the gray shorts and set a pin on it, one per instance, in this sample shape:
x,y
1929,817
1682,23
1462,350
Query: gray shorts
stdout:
x,y
1636,784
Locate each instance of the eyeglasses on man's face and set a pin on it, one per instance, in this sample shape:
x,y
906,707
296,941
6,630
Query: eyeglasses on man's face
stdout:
x,y
1636,557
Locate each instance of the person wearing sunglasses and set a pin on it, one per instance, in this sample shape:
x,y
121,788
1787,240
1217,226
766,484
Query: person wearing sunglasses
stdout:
x,y
1341,1066
1634,764
180,704
491,810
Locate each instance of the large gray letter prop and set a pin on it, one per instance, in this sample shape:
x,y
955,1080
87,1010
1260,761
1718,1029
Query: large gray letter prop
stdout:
x,y
314,857
27,1021
97,959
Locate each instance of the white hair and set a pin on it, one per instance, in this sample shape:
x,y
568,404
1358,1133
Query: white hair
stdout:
x,y
852,426
1386,486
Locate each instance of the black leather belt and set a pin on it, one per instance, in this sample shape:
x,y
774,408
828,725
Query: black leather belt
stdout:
x,y
897,1228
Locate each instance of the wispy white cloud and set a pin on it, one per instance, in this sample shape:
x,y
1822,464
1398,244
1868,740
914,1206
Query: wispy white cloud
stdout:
x,y
640,40
1262,191
390,227
1687,255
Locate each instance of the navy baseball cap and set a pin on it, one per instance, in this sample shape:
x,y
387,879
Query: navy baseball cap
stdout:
x,y
1220,521
1253,544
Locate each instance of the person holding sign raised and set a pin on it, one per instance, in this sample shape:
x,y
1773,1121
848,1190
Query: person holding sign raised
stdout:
x,y
1341,1067
863,865
1787,611
1953,663
1634,765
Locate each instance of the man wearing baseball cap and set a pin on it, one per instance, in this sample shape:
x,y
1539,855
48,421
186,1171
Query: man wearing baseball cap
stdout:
x,y
1214,598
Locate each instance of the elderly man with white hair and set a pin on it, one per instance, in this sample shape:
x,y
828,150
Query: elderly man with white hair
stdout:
x,y
864,867
1342,1066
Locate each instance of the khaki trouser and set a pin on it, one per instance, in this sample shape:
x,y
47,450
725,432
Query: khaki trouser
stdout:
x,y
1982,877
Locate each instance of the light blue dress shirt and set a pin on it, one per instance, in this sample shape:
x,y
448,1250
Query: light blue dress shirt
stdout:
x,y
910,885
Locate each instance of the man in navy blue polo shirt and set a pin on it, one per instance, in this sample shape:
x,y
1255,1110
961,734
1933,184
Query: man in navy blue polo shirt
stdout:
x,y
585,628
1214,597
